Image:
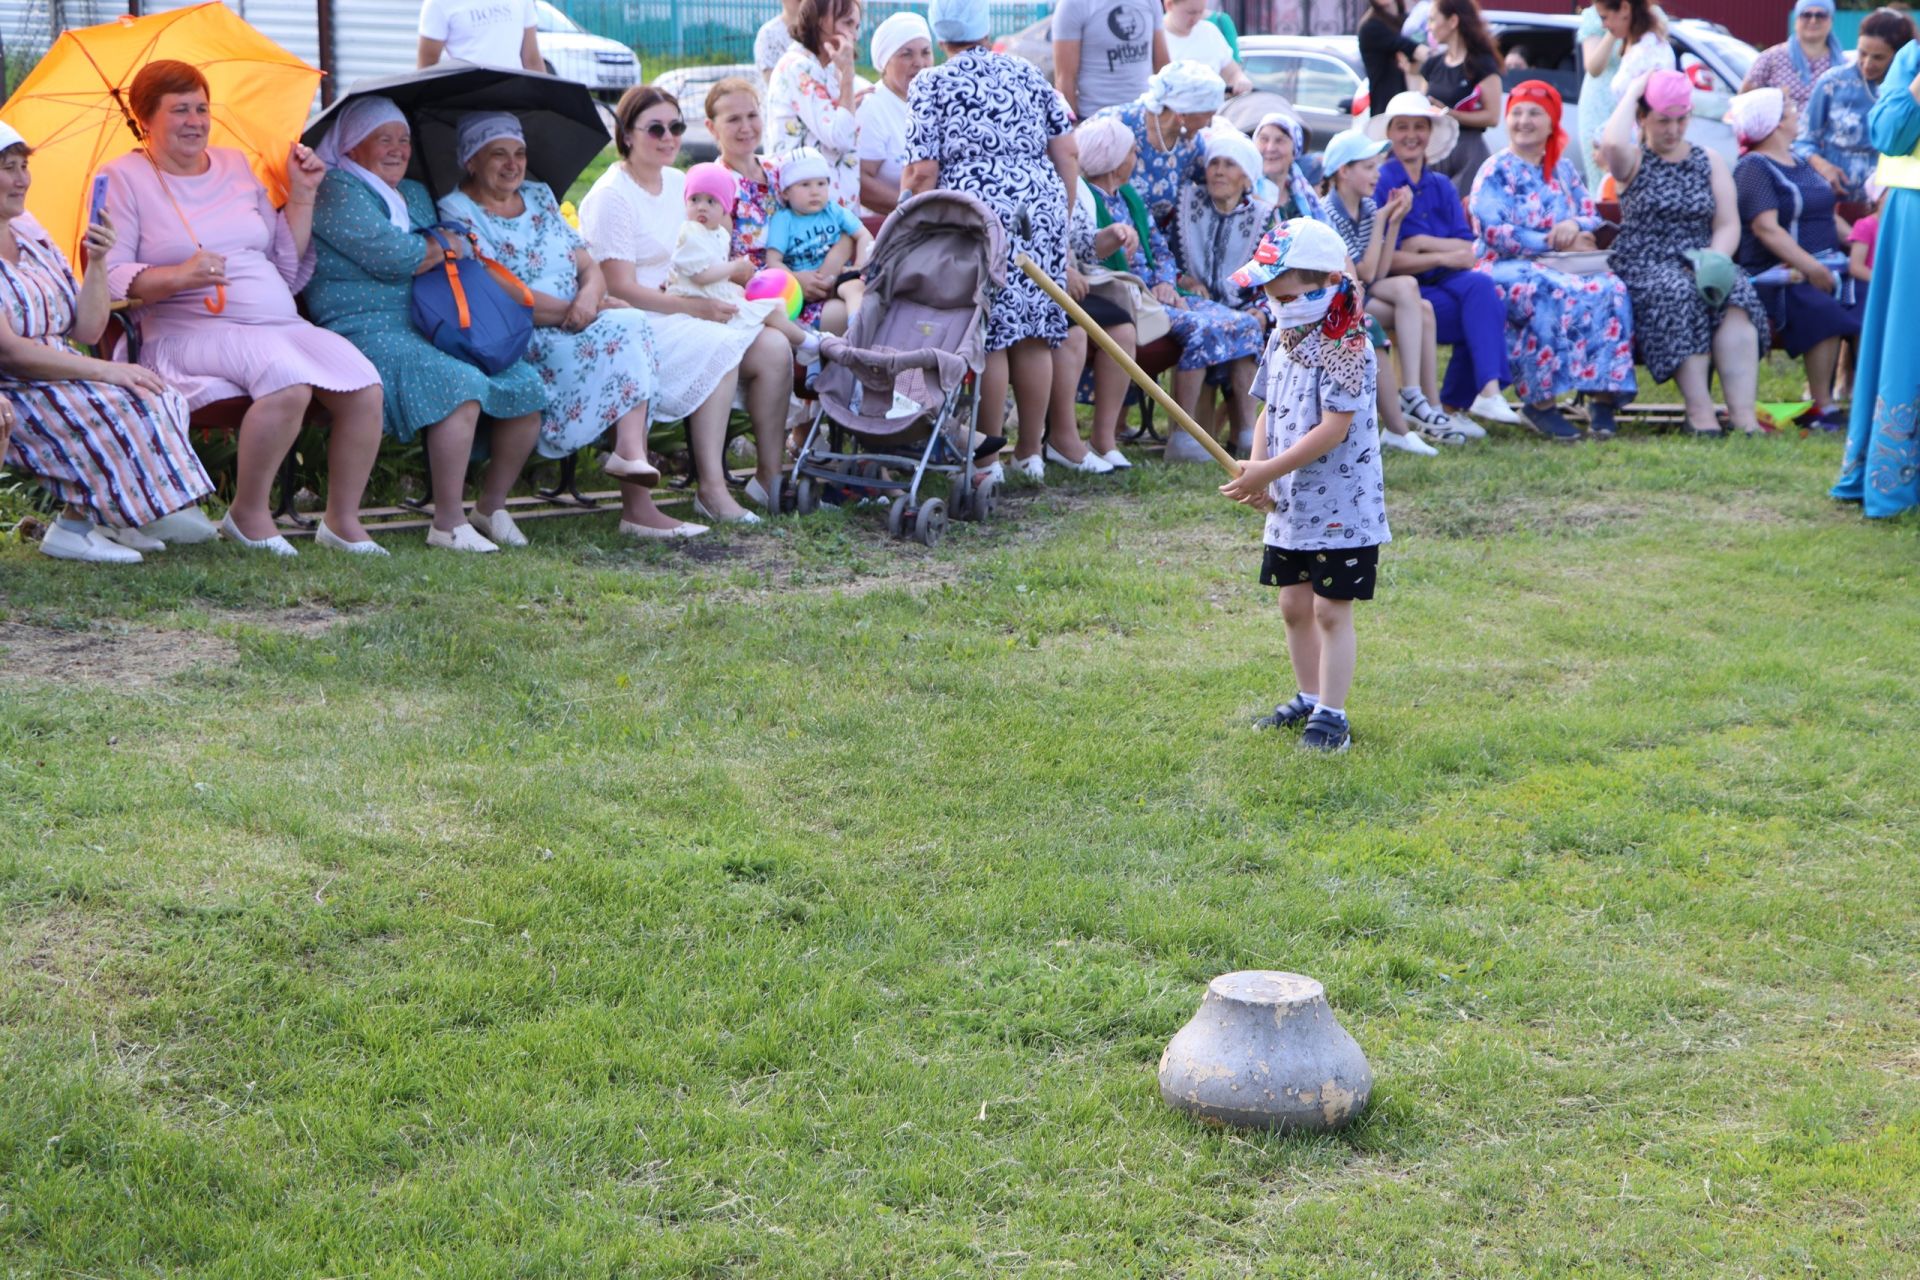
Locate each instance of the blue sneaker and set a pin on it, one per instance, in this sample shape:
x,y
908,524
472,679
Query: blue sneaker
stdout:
x,y
1549,422
1289,714
1326,731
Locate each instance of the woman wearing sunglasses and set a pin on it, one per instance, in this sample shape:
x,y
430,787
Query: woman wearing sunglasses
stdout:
x,y
630,219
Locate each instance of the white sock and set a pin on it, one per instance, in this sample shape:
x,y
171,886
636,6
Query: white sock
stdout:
x,y
1312,700
1332,711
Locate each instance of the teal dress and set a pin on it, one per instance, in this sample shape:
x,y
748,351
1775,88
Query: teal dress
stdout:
x,y
593,378
361,289
1881,469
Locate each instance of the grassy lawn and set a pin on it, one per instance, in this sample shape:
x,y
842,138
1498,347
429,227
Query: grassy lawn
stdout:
x,y
798,904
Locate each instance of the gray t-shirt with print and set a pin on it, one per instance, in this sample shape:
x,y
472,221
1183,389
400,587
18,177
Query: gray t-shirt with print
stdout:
x,y
1116,48
1340,498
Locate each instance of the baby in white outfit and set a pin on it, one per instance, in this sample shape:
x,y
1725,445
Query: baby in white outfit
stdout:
x,y
703,267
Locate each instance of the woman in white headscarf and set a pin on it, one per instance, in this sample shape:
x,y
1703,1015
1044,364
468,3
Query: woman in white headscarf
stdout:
x,y
1166,120
902,47
369,223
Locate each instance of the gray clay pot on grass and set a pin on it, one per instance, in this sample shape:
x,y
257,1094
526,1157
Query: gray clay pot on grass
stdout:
x,y
1265,1052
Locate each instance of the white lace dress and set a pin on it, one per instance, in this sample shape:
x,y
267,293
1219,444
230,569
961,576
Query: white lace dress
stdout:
x,y
699,248
623,222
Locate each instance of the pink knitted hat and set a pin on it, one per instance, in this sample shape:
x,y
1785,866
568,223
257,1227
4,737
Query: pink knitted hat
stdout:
x,y
716,180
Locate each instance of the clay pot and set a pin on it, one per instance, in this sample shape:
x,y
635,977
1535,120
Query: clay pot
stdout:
x,y
1265,1052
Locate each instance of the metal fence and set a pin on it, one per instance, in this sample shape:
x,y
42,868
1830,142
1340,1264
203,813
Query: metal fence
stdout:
x,y
723,30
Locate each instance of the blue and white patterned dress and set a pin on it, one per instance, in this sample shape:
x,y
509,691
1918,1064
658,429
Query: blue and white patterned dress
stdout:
x,y
986,119
1834,127
1159,175
1565,332
592,378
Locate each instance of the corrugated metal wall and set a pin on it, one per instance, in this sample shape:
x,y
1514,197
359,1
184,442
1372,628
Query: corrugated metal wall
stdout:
x,y
294,25
373,38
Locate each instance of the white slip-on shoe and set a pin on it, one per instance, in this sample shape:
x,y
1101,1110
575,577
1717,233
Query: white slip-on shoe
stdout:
x,y
769,502
276,544
182,528
745,517
1408,443
1092,464
464,538
132,539
1034,468
325,537
1117,460
685,529
636,470
996,473
1494,409
500,527
89,547
1182,447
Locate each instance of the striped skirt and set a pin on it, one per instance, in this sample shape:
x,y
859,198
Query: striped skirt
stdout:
x,y
122,457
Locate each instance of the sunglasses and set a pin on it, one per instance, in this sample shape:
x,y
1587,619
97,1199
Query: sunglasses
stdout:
x,y
656,130
1816,15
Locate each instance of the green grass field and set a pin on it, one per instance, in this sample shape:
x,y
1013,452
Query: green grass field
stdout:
x,y
799,904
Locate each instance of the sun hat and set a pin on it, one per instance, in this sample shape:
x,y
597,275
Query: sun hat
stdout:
x,y
1348,146
1446,130
1298,244
716,180
895,34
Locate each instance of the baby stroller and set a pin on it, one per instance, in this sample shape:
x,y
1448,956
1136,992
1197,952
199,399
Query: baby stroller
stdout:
x,y
899,391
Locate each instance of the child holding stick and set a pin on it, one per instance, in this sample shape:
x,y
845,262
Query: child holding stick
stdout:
x,y
1315,468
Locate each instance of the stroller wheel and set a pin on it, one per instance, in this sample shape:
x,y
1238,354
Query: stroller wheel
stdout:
x,y
806,497
897,517
986,499
960,497
931,524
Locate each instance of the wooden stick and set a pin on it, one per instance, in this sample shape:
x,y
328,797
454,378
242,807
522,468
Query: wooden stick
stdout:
x,y
1146,384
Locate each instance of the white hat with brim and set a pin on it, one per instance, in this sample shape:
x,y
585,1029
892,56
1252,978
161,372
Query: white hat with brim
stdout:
x,y
1446,130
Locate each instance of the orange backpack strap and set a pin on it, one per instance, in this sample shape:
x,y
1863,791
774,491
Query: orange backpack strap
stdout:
x,y
511,281
452,264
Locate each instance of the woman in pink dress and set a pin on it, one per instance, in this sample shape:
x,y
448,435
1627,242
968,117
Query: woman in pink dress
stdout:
x,y
213,268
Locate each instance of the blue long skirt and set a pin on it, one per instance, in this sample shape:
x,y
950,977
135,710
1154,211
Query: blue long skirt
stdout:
x,y
1881,469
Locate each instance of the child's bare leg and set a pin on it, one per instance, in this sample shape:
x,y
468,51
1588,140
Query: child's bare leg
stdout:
x,y
786,328
1303,641
1333,626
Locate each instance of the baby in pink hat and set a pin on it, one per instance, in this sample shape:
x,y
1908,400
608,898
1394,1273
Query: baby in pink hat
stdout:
x,y
703,265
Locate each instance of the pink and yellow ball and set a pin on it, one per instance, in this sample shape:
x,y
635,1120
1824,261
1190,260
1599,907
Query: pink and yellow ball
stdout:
x,y
776,283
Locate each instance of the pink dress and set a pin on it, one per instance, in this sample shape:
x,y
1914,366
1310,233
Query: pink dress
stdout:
x,y
258,344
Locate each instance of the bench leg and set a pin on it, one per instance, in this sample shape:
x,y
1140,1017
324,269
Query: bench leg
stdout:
x,y
289,486
567,486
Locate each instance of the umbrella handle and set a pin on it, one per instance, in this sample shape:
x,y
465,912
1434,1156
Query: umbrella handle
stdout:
x,y
218,302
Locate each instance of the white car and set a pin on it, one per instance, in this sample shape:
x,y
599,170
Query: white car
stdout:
x,y
606,67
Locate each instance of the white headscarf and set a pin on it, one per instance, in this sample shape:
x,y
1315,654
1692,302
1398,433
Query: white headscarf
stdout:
x,y
893,35
478,128
1187,87
10,136
351,127
1224,142
1755,114
1104,142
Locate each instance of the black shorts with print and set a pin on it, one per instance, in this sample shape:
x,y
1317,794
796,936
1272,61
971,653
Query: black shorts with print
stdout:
x,y
1343,574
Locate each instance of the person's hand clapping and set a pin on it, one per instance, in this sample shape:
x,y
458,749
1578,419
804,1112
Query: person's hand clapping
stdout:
x,y
1563,234
1399,202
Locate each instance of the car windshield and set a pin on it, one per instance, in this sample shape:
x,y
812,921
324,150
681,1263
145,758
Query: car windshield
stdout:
x,y
551,19
1736,54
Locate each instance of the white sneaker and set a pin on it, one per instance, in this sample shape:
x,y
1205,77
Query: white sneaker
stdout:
x,y
1092,464
325,537
276,544
464,538
500,527
182,528
1408,443
1466,426
1493,409
132,539
1182,447
1034,468
996,473
64,544
1117,460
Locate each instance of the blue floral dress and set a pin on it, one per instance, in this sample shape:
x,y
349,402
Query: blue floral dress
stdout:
x,y
1565,332
592,378
1834,127
1158,175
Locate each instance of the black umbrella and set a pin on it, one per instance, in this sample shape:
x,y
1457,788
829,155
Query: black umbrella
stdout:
x,y
562,122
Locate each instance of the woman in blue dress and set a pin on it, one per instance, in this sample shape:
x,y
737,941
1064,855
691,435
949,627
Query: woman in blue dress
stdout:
x,y
1565,332
1881,469
1167,121
594,354
1833,128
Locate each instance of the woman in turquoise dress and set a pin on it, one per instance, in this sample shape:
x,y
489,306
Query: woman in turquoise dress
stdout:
x,y
1565,332
1881,470
369,241
595,354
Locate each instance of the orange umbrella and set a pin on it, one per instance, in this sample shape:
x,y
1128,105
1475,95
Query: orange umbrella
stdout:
x,y
72,110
